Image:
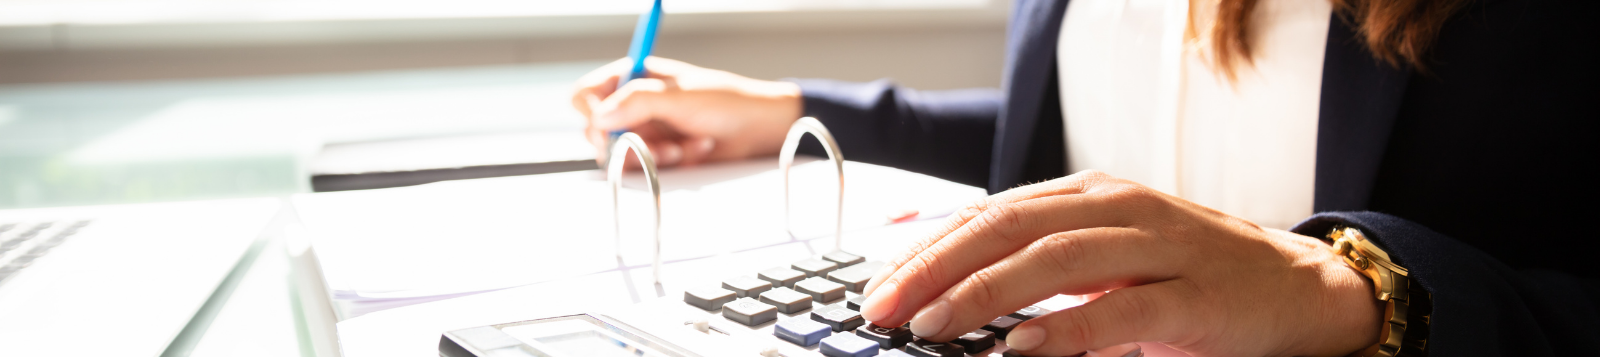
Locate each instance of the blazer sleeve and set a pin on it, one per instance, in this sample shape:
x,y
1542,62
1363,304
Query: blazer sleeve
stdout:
x,y
947,134
1480,306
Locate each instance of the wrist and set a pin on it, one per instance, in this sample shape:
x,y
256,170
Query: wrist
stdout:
x,y
1342,316
781,105
1356,318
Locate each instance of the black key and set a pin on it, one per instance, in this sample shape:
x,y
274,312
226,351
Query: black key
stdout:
x,y
814,267
976,341
708,298
1001,326
838,317
844,259
746,286
821,290
788,301
784,277
749,312
854,279
855,302
1028,313
886,337
925,348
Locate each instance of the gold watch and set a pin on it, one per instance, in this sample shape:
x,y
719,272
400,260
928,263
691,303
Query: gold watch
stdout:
x,y
1404,332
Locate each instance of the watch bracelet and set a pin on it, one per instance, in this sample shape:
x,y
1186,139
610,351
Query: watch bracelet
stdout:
x,y
1412,324
1410,313
1419,321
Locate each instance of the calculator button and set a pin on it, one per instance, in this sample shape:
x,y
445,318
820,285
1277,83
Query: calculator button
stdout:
x,y
838,317
844,259
749,312
814,267
708,298
1001,326
788,301
801,331
853,279
746,286
847,345
784,277
925,348
976,341
886,337
821,290
855,302
1028,313
894,353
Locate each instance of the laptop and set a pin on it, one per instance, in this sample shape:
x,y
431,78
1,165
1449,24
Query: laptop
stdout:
x,y
124,280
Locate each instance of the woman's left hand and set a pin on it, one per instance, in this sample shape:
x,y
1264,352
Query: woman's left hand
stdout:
x,y
1177,273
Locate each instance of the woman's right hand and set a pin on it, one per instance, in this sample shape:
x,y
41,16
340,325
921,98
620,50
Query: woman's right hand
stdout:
x,y
685,113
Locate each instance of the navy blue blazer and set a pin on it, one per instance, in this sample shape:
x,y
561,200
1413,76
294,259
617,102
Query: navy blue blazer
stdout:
x,y
1474,173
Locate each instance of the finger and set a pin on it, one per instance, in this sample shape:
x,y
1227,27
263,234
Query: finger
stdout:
x,y
1002,229
1074,184
597,84
1153,312
661,140
597,138
696,150
586,103
635,103
1075,262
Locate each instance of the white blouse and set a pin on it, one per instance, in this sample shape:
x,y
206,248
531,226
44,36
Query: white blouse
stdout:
x,y
1142,104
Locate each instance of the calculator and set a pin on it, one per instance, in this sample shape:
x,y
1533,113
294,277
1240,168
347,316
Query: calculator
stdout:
x,y
805,309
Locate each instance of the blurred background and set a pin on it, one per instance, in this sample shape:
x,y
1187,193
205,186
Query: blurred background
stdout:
x,y
157,100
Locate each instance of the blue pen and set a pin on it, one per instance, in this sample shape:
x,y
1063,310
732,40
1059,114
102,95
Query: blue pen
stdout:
x,y
644,37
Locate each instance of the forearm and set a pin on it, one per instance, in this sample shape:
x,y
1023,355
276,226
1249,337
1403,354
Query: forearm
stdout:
x,y
1480,306
947,134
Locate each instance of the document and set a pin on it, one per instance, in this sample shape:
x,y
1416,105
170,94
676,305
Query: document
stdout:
x,y
387,248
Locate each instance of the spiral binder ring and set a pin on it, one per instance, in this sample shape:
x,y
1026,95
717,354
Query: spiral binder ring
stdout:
x,y
619,154
786,158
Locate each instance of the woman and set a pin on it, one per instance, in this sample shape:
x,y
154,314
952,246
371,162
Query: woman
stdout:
x,y
1456,135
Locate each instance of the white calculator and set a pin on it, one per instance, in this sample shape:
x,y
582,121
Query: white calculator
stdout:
x,y
808,308
802,309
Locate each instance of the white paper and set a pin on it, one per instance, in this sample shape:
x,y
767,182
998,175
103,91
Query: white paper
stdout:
x,y
457,237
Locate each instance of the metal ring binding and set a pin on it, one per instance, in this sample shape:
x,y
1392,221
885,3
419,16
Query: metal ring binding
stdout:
x,y
786,158
619,154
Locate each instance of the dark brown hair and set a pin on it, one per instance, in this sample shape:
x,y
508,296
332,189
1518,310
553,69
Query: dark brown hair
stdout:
x,y
1398,32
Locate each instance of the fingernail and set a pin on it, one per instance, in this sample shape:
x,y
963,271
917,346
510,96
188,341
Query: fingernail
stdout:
x,y
931,320
702,147
1026,337
671,154
880,304
1138,352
